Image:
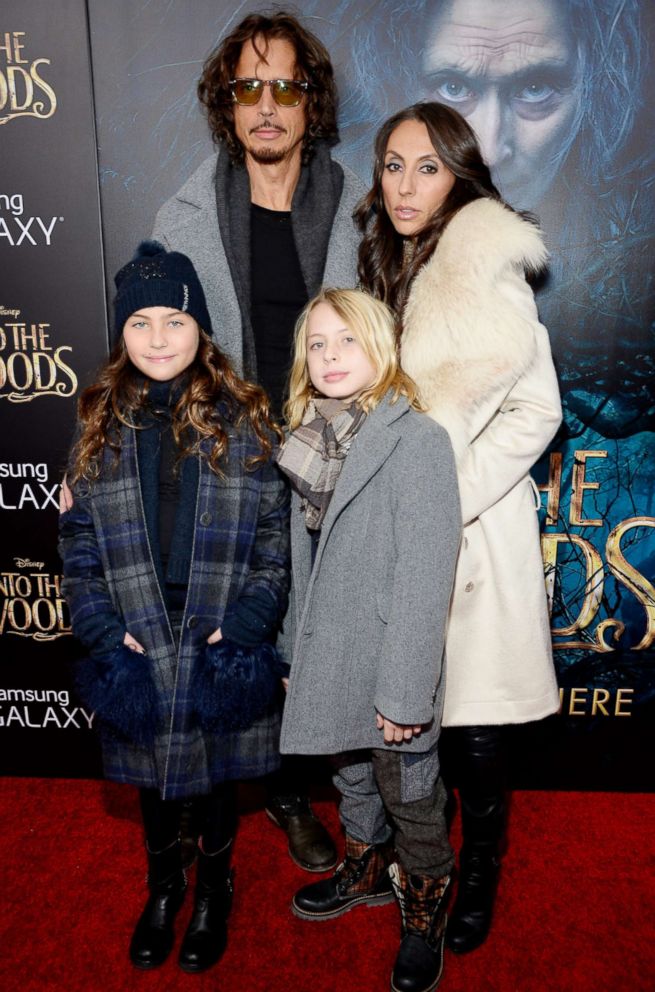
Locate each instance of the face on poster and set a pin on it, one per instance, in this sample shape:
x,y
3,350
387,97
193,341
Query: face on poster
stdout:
x,y
514,73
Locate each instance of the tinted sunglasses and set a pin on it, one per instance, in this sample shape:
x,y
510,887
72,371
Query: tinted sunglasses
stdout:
x,y
286,92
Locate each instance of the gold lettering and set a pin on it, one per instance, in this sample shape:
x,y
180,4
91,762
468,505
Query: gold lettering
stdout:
x,y
48,381
553,487
51,615
22,586
593,587
621,700
20,358
47,585
28,88
13,54
61,389
62,624
579,485
599,698
575,701
638,585
28,338
49,92
27,614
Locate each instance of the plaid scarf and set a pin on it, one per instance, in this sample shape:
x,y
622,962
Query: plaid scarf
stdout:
x,y
313,455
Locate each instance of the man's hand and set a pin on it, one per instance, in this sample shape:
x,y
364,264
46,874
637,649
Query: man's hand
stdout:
x,y
396,733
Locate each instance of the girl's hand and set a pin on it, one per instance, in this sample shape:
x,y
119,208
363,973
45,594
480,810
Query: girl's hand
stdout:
x,y
65,497
131,643
396,733
215,637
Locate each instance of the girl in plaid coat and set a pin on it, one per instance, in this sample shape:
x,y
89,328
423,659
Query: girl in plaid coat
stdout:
x,y
175,551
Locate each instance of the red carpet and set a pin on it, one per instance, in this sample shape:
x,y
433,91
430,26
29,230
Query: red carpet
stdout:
x,y
576,906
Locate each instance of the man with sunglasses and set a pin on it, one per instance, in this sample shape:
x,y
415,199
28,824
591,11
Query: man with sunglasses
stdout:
x,y
267,221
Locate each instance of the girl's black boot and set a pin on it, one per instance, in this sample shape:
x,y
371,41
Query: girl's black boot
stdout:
x,y
206,936
153,936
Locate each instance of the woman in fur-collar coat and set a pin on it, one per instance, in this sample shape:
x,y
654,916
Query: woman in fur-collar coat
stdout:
x,y
450,257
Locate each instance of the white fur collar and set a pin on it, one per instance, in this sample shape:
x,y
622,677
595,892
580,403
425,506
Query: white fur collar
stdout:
x,y
466,335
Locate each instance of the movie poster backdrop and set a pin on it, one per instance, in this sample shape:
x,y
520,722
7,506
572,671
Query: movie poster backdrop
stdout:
x,y
565,120
52,333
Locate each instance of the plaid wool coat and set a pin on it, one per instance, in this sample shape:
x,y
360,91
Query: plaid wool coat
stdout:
x,y
241,542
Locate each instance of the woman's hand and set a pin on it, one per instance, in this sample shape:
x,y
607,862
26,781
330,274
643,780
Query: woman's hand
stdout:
x,y
131,643
215,637
396,733
285,683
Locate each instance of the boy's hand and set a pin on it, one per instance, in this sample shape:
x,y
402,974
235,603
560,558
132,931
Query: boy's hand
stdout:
x,y
396,733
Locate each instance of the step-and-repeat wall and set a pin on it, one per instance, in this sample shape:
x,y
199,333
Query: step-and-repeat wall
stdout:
x,y
99,125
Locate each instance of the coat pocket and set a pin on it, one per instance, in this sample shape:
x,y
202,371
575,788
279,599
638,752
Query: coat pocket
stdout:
x,y
234,685
119,688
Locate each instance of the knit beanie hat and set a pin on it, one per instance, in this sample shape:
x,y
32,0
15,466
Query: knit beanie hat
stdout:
x,y
159,278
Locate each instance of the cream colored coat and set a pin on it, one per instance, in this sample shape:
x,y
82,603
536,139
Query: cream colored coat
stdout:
x,y
473,343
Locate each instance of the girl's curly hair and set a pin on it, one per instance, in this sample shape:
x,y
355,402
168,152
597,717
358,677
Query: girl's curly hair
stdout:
x,y
212,396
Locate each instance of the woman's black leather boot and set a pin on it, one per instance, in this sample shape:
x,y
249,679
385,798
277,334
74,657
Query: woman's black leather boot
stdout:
x,y
482,799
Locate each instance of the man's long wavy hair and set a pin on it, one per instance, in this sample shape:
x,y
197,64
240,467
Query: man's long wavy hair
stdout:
x,y
383,267
212,397
312,65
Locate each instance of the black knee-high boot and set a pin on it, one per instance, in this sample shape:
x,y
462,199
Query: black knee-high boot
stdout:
x,y
153,936
481,761
206,936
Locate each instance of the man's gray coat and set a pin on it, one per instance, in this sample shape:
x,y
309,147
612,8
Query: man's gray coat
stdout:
x,y
188,223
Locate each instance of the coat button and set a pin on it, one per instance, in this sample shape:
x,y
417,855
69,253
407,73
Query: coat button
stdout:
x,y
192,622
469,587
205,519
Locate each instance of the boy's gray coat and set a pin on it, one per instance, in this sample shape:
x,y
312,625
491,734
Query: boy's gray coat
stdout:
x,y
368,621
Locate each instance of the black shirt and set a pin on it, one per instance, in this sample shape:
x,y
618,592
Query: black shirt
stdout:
x,y
278,294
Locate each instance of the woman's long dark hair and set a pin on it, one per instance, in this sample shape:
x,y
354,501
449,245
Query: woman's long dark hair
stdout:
x,y
383,269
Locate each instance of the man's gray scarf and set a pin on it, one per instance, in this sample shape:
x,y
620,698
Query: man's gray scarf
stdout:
x,y
313,208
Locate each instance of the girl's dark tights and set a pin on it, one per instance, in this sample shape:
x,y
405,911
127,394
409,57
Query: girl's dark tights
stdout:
x,y
214,815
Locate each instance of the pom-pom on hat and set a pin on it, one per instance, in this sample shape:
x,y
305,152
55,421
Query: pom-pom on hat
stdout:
x,y
159,278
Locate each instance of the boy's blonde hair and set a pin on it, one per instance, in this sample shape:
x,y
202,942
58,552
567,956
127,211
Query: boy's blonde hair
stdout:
x,y
373,324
